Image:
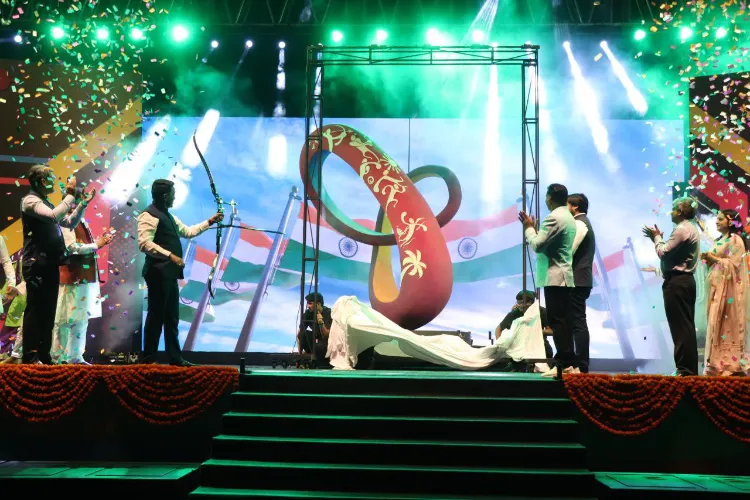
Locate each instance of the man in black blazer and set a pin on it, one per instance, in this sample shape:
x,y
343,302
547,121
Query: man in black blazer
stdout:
x,y
584,249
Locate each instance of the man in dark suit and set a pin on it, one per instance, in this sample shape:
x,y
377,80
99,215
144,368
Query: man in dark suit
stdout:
x,y
584,249
159,234
43,251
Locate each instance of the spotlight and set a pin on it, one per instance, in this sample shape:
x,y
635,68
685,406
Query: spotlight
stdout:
x,y
57,33
639,34
603,44
477,36
433,36
102,33
495,45
566,45
685,33
721,32
18,38
282,45
179,33
136,34
248,44
337,36
214,44
381,35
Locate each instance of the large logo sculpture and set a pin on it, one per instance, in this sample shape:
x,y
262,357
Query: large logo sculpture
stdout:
x,y
405,219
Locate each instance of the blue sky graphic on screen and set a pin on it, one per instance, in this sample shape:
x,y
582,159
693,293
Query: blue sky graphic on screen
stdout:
x,y
255,161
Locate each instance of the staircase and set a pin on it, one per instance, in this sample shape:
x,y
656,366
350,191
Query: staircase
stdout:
x,y
396,435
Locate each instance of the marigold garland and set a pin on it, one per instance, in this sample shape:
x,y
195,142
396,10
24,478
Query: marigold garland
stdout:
x,y
627,405
164,395
726,401
634,404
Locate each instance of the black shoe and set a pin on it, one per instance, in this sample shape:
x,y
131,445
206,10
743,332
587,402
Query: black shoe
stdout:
x,y
182,363
148,360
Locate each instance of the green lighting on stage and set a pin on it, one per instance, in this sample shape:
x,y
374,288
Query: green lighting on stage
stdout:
x,y
57,33
381,36
477,36
102,33
721,32
685,33
179,33
136,34
639,34
337,36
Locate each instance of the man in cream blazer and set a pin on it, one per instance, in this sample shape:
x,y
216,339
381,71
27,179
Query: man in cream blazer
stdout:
x,y
553,244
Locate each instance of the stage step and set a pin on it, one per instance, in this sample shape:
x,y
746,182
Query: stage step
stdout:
x,y
483,384
205,493
399,452
388,479
419,428
635,486
390,435
401,405
53,479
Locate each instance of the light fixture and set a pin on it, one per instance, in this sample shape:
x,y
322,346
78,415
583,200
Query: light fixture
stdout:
x,y
721,32
57,33
214,44
639,34
381,35
18,38
179,33
282,45
248,44
136,34
337,36
102,33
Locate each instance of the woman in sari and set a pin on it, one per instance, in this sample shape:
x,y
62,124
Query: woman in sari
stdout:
x,y
727,300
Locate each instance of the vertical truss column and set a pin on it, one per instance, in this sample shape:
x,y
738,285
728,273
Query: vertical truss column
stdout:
x,y
530,193
313,177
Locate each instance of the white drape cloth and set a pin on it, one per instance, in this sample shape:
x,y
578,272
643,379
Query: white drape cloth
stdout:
x,y
357,327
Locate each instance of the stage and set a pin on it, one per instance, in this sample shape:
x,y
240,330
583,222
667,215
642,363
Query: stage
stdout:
x,y
404,432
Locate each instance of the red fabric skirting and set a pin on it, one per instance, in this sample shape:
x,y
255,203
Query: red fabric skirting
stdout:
x,y
162,395
631,405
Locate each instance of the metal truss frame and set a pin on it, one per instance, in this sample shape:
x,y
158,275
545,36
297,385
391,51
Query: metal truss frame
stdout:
x,y
525,57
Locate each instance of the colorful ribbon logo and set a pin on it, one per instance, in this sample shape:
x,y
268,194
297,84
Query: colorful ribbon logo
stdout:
x,y
404,219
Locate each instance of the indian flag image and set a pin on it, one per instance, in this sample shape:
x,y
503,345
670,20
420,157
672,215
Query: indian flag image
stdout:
x,y
480,249
340,257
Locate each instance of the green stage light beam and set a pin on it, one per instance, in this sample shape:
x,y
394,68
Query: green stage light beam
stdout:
x,y
180,33
639,35
57,33
381,36
337,36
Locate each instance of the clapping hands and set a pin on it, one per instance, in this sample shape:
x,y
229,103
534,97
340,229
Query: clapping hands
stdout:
x,y
526,220
651,232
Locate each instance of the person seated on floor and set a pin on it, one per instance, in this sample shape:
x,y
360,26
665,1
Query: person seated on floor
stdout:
x,y
524,300
315,312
